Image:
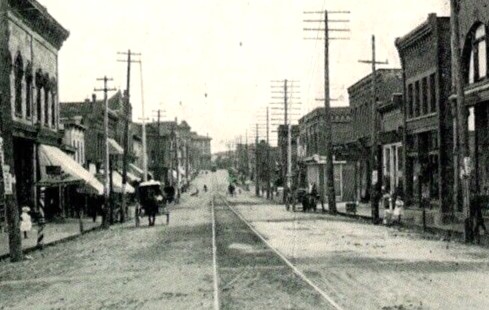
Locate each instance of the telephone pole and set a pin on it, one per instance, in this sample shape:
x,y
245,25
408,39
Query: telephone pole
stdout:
x,y
126,131
287,116
269,190
105,90
375,148
143,119
7,189
158,172
257,182
328,134
463,172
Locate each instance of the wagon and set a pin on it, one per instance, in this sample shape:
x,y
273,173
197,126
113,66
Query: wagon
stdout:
x,y
151,201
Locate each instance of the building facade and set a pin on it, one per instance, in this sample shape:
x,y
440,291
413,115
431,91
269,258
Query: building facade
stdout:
x,y
473,27
428,137
389,82
311,153
30,40
74,138
391,137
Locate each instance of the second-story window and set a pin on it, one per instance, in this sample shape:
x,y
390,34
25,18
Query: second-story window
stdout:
x,y
478,55
47,90
28,91
19,74
39,86
410,102
53,103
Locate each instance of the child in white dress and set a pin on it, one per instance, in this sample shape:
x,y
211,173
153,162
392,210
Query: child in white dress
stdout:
x,y
26,222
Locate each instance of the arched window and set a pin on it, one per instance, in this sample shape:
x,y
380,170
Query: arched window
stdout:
x,y
39,86
47,90
477,59
53,102
18,75
28,91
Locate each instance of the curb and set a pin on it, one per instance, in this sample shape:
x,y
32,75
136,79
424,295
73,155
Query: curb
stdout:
x,y
53,243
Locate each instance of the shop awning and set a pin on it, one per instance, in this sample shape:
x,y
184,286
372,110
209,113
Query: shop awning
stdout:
x,y
136,169
131,177
115,148
117,183
58,167
182,171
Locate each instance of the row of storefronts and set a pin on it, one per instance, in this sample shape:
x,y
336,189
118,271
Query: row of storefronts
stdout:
x,y
416,115
52,153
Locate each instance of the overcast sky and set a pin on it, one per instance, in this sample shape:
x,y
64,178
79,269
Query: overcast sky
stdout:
x,y
212,62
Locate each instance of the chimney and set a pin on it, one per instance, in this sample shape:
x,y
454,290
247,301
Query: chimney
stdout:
x,y
94,98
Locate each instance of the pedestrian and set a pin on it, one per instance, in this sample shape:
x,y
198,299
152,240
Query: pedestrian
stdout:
x,y
478,217
26,222
399,208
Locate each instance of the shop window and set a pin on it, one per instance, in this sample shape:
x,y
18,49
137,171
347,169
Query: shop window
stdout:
x,y
18,76
432,87
471,119
433,175
478,55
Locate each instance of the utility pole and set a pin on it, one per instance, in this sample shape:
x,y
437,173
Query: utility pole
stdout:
x,y
269,192
464,164
177,162
145,151
105,90
257,179
287,108
172,138
158,172
328,132
375,149
126,132
7,189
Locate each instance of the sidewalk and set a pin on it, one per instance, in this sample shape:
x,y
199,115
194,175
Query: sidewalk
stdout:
x,y
54,232
412,219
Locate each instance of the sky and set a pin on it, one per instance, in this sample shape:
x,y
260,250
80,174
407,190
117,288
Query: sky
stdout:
x,y
215,63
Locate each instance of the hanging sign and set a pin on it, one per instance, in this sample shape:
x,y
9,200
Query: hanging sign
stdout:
x,y
7,180
374,177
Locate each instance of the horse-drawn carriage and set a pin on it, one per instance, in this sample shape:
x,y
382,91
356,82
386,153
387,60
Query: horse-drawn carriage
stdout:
x,y
152,201
307,200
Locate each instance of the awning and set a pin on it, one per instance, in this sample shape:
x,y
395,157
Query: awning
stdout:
x,y
182,171
131,177
136,169
114,147
71,171
117,183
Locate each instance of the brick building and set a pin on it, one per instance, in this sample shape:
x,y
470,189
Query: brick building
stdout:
x,y
389,82
428,139
282,147
30,39
473,27
312,161
390,136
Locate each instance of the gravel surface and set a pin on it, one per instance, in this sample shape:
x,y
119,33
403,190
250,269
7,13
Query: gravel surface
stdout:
x,y
161,267
362,266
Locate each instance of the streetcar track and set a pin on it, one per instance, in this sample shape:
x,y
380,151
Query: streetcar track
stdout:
x,y
296,271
